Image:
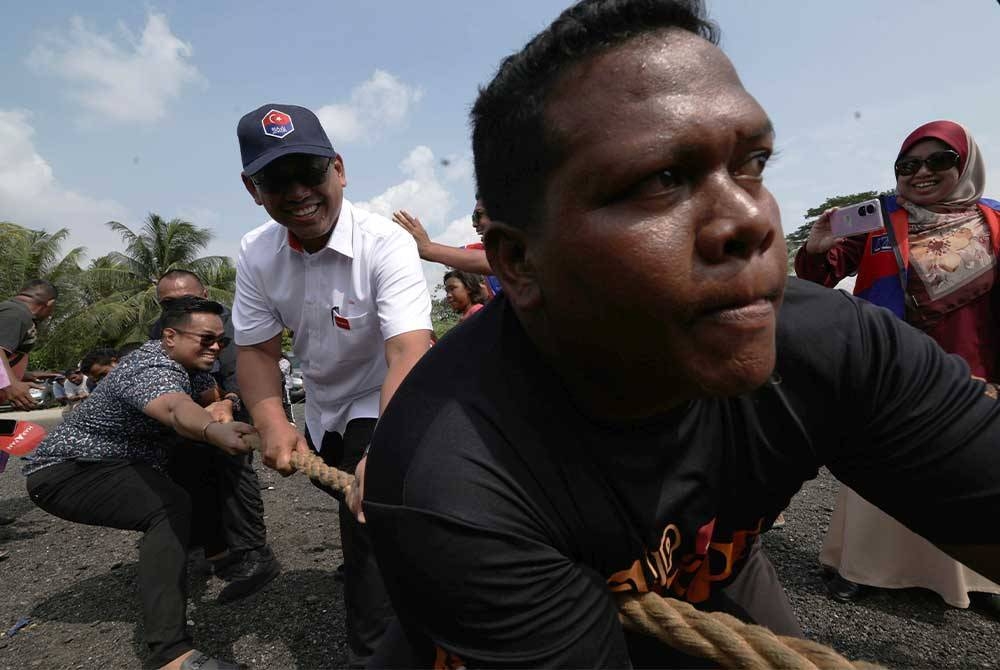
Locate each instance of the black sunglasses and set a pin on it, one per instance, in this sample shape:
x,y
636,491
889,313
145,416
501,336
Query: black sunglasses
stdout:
x,y
279,178
206,340
939,161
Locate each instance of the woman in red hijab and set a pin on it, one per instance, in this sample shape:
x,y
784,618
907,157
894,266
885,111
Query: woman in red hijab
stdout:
x,y
938,270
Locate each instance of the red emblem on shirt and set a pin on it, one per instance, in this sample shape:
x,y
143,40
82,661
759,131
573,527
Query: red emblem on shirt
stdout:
x,y
340,320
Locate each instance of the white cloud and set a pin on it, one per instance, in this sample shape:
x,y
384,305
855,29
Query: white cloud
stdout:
x,y
31,196
423,195
378,104
457,168
130,79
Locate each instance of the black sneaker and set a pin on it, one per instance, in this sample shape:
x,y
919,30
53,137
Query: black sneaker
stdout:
x,y
251,574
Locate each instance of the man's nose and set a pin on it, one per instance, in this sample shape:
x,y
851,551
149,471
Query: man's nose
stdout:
x,y
740,226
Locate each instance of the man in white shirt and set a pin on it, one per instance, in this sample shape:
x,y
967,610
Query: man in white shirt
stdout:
x,y
349,284
75,387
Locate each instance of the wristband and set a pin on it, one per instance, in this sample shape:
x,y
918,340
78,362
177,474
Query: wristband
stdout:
x,y
204,431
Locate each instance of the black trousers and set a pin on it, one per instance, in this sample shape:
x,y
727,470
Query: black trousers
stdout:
x,y
225,496
131,496
365,599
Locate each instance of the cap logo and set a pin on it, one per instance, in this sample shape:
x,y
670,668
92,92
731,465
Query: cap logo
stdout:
x,y
277,124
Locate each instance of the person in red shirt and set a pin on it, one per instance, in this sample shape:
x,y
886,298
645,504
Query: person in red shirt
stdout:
x,y
465,292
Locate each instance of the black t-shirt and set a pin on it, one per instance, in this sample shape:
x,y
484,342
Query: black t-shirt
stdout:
x,y
503,517
17,329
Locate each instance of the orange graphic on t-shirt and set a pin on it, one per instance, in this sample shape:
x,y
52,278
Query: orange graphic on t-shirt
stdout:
x,y
692,576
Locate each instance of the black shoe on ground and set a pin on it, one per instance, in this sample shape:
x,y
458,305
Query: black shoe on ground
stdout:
x,y
844,590
987,604
251,574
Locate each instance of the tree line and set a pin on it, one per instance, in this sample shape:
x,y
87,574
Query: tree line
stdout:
x,y
111,301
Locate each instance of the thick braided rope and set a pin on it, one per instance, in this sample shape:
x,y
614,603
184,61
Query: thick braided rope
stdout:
x,y
723,638
311,465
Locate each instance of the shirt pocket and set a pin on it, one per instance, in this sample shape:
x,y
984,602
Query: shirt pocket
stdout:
x,y
357,335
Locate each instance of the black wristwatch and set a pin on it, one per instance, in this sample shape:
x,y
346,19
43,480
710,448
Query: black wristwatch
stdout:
x,y
235,399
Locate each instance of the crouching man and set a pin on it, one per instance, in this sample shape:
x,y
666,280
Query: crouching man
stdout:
x,y
104,465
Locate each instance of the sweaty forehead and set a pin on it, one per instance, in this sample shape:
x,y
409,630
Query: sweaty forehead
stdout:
x,y
680,72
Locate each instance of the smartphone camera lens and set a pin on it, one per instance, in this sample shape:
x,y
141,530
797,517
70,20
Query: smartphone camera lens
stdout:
x,y
870,209
861,211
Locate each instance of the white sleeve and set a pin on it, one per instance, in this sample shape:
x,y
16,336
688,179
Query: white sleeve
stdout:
x,y
254,320
401,295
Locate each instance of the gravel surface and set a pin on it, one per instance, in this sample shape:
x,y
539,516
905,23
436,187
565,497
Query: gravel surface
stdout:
x,y
76,584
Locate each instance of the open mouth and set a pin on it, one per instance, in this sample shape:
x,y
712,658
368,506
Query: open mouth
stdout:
x,y
304,212
925,184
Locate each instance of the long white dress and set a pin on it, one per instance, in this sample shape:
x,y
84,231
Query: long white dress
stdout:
x,y
867,546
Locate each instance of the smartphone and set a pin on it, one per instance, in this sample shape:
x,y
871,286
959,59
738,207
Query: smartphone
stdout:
x,y
857,219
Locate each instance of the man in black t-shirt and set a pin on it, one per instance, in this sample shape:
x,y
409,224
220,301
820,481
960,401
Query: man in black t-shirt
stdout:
x,y
634,411
19,318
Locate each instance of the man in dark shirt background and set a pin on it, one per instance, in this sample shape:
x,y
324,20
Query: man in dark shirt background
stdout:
x,y
632,413
224,488
19,319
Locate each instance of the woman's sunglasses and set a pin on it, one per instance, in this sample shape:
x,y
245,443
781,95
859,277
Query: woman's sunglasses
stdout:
x,y
281,177
939,161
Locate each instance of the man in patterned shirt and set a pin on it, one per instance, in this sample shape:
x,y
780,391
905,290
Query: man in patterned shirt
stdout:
x,y
104,465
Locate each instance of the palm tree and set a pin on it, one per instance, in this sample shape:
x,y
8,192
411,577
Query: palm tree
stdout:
x,y
124,283
34,254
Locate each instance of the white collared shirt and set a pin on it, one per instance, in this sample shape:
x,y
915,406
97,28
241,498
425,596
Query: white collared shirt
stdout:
x,y
341,302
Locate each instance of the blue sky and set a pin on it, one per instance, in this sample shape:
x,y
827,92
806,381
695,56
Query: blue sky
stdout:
x,y
112,110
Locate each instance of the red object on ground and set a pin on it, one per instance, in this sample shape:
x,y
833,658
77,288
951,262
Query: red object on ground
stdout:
x,y
23,439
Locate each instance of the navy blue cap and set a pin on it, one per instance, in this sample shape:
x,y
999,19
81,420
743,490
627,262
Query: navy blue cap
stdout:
x,y
273,130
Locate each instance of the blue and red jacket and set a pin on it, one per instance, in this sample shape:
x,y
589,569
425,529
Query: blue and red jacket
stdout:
x,y
879,280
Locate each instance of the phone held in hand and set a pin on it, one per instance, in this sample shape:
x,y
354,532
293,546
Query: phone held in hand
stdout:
x,y
857,219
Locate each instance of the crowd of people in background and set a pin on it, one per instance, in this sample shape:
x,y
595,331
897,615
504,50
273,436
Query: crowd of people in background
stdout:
x,y
509,494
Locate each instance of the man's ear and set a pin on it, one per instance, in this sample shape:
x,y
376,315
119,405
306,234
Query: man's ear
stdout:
x,y
168,336
508,249
251,188
338,167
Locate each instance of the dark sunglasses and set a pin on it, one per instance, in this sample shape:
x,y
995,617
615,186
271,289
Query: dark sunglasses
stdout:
x,y
939,161
279,178
206,340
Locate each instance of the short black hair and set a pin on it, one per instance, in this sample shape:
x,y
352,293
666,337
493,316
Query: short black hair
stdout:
x,y
513,149
178,273
103,356
39,290
177,311
472,282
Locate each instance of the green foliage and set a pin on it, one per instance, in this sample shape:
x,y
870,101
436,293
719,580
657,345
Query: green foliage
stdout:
x,y
795,240
113,301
